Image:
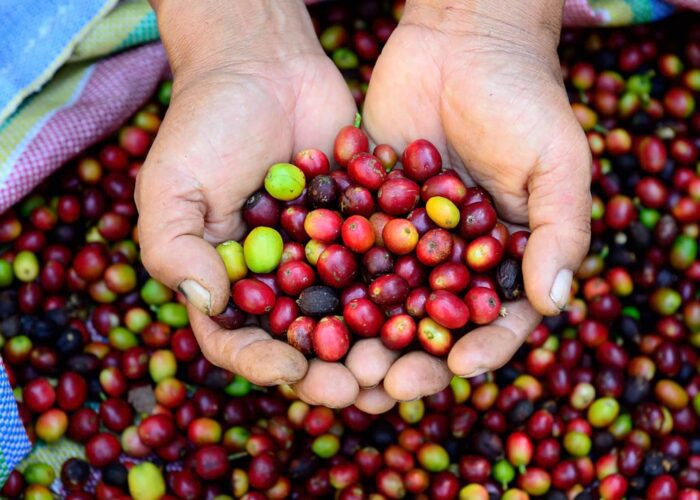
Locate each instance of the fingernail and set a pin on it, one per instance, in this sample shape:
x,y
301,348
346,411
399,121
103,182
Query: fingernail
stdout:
x,y
196,295
561,288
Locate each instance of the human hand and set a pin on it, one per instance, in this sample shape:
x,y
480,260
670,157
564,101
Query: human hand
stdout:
x,y
481,81
251,87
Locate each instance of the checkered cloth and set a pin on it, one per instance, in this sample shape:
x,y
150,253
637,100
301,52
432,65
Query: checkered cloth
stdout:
x,y
66,82
14,444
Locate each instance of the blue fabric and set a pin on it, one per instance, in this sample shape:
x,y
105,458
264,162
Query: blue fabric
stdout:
x,y
14,443
36,37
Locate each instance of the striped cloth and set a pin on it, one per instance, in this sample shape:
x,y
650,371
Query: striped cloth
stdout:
x,y
66,82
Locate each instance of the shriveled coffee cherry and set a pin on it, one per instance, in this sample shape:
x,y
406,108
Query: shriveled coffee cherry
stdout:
x,y
509,278
318,301
330,339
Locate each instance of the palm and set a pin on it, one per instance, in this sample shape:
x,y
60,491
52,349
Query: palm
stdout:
x,y
220,134
493,113
245,123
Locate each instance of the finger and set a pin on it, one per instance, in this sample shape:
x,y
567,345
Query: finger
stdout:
x,y
369,360
416,374
171,230
374,401
248,351
328,384
489,347
559,210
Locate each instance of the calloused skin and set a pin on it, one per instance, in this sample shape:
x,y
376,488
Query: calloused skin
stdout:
x,y
499,117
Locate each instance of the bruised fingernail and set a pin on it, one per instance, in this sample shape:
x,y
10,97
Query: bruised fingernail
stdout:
x,y
561,288
196,295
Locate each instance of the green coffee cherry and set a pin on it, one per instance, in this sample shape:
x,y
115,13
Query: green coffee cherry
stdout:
x,y
154,293
603,412
262,249
26,266
326,445
146,482
6,273
284,181
173,314
231,252
39,473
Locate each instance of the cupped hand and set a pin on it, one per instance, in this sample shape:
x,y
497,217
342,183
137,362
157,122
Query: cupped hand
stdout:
x,y
236,109
489,95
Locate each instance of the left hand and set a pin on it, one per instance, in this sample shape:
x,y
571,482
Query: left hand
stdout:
x,y
487,91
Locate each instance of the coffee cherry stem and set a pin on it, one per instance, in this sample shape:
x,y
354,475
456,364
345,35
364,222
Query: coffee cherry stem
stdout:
x,y
358,120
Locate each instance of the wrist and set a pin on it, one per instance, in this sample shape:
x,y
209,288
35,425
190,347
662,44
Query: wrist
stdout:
x,y
211,34
534,24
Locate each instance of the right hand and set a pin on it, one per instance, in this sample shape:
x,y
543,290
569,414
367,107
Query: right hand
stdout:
x,y
247,94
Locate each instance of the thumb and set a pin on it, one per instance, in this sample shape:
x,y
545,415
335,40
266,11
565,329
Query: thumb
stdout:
x,y
171,230
559,209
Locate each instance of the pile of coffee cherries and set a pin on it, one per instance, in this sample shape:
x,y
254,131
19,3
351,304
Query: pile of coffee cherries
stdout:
x,y
601,402
409,255
353,37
